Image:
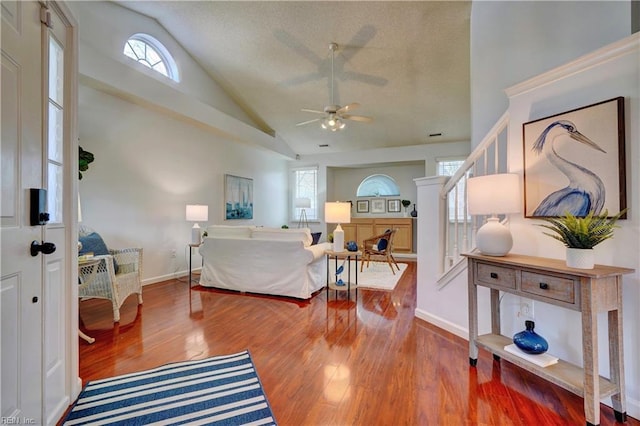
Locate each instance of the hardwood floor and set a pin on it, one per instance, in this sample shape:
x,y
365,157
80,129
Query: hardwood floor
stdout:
x,y
328,362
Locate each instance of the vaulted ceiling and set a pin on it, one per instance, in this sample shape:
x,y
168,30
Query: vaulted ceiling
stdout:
x,y
405,63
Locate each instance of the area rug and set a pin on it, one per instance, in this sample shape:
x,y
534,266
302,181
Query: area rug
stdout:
x,y
377,276
222,390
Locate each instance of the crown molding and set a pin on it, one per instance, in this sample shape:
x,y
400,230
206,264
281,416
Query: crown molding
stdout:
x,y
626,46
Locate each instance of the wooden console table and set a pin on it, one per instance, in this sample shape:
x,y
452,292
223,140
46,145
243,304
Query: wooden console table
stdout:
x,y
588,291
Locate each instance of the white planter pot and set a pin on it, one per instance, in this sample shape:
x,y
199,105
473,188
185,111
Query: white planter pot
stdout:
x,y
580,258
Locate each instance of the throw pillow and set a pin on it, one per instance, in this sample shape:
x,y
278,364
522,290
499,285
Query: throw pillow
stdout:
x,y
382,244
316,238
93,243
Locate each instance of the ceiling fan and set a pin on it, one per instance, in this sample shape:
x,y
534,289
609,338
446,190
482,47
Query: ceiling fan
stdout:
x,y
334,115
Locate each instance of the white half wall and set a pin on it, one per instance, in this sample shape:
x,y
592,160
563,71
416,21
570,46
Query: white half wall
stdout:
x,y
601,75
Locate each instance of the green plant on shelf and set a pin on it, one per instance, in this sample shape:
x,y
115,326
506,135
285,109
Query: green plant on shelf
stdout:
x,y
582,232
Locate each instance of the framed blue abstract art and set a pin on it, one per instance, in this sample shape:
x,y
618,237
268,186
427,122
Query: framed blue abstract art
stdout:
x,y
575,162
238,196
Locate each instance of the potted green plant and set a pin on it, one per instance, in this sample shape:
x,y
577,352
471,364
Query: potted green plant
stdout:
x,y
581,234
405,204
84,159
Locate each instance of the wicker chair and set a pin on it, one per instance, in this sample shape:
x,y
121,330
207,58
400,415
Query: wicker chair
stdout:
x,y
102,281
371,247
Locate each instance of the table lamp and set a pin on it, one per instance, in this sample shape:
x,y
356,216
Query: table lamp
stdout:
x,y
337,212
197,213
494,194
302,204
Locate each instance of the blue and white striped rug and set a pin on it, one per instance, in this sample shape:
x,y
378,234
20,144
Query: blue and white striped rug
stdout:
x,y
222,390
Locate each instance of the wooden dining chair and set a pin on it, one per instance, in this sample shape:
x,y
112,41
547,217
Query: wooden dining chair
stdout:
x,y
379,246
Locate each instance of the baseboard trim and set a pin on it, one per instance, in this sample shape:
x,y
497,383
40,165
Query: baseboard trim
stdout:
x,y
167,277
633,408
443,324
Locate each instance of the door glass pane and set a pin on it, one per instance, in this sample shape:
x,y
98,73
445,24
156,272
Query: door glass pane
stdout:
x,y
56,71
55,133
54,193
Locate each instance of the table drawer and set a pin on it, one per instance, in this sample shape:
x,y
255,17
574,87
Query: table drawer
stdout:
x,y
549,286
496,276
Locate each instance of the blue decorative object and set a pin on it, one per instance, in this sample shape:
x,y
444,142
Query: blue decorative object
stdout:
x,y
529,341
339,271
382,244
352,246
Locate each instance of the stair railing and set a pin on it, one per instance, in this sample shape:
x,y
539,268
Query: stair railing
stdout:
x,y
489,157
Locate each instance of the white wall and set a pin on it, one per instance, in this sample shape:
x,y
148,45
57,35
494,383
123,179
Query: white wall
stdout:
x,y
384,157
160,145
349,179
514,41
611,72
148,167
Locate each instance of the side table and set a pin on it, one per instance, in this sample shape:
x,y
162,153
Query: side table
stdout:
x,y
348,285
588,291
191,247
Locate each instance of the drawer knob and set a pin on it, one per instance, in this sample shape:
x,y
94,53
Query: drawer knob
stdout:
x,y
494,275
544,286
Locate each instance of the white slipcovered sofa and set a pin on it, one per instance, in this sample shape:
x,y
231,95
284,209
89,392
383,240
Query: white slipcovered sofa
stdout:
x,y
263,260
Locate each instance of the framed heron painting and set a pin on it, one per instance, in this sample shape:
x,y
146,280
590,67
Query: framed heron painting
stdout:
x,y
574,162
238,196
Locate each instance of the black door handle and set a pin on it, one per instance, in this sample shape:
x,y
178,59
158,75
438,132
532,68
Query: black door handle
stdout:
x,y
45,248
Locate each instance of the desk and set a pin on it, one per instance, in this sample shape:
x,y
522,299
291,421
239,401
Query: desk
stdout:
x,y
87,270
348,285
588,291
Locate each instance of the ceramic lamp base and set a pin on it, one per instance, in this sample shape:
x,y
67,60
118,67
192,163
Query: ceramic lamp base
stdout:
x,y
338,239
493,238
196,235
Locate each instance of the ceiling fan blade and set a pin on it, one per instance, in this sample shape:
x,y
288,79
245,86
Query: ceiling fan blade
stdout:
x,y
361,118
365,78
348,108
308,121
315,111
358,41
294,44
301,79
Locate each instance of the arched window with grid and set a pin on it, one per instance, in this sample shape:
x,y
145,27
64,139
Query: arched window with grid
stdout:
x,y
148,51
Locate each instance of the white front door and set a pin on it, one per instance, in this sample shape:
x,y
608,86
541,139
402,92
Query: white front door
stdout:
x,y
22,169
36,151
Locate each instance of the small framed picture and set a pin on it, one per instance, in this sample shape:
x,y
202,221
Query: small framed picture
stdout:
x,y
378,205
393,206
362,206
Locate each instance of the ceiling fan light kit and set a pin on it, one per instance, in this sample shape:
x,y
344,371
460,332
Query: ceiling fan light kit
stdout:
x,y
332,123
335,114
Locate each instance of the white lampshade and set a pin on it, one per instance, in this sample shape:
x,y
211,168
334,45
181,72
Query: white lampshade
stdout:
x,y
337,212
196,213
494,194
303,203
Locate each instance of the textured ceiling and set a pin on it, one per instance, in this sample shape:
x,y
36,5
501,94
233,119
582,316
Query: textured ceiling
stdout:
x,y
406,63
